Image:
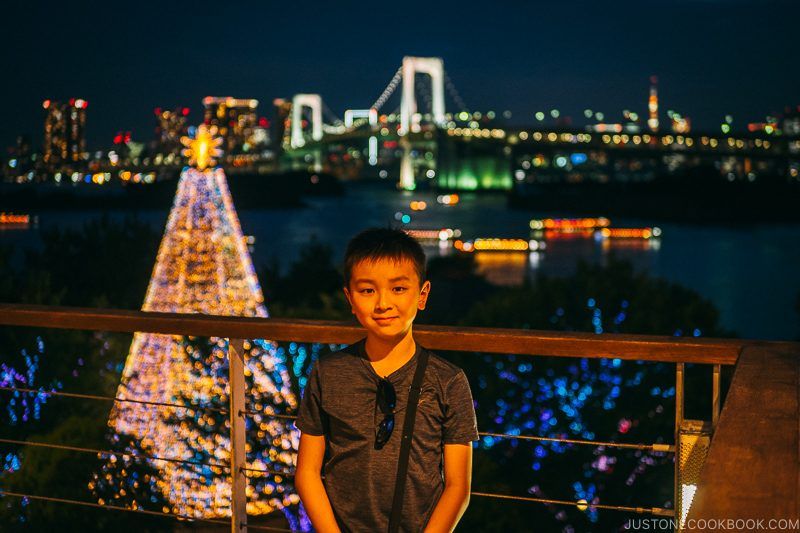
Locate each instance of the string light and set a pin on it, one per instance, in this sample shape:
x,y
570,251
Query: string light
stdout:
x,y
203,267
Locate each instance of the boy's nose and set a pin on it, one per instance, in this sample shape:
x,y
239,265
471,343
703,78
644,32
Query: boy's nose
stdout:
x,y
383,302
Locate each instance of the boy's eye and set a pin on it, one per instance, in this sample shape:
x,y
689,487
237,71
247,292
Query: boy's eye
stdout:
x,y
400,289
365,291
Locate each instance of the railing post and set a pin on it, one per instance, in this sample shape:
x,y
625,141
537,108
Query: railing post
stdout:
x,y
715,399
238,440
692,441
678,421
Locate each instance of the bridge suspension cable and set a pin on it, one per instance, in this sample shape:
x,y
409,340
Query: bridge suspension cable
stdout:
x,y
331,115
387,92
451,88
424,88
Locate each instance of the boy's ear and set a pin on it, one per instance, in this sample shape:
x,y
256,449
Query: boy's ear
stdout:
x,y
347,295
423,295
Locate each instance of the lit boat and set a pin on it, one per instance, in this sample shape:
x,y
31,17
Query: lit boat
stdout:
x,y
444,234
569,225
11,220
448,199
629,233
557,235
499,245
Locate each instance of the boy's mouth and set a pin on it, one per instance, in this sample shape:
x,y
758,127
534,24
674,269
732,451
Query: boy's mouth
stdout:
x,y
384,319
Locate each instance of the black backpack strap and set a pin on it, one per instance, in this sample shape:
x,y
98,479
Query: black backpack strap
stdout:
x,y
405,443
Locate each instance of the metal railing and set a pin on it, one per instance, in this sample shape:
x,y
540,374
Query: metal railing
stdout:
x,y
495,341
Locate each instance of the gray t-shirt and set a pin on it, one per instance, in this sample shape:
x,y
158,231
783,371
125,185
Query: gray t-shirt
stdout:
x,y
339,402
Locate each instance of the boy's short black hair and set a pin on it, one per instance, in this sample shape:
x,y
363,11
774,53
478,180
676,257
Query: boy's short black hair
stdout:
x,y
383,243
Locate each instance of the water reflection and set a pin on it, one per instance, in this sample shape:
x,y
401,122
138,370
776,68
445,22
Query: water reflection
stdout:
x,y
502,268
508,262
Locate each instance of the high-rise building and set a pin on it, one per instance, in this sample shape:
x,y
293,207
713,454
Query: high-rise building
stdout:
x,y
681,125
20,160
236,122
790,122
170,127
281,121
64,131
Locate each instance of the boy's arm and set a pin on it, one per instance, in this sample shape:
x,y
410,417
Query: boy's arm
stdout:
x,y
457,484
309,483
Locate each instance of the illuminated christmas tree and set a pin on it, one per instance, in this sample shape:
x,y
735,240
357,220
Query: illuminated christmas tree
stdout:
x,y
203,267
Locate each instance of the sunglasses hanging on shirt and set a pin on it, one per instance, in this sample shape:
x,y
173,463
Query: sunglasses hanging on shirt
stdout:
x,y
387,401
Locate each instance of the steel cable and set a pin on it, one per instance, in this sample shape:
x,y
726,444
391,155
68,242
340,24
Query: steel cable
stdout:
x,y
138,456
140,511
640,510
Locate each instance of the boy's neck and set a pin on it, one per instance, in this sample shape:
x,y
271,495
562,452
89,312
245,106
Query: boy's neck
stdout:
x,y
386,356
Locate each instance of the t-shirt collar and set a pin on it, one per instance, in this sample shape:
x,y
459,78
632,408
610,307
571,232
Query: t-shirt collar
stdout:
x,y
397,375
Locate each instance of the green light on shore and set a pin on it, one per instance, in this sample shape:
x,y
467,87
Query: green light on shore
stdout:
x,y
467,181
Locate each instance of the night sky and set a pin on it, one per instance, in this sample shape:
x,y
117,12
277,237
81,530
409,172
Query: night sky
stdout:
x,y
712,57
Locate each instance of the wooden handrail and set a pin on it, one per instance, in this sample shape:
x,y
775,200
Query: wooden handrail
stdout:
x,y
753,466
489,340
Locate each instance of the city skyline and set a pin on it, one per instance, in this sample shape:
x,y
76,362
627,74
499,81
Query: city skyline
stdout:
x,y
712,58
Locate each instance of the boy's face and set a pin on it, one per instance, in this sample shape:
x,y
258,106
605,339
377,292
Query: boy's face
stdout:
x,y
385,296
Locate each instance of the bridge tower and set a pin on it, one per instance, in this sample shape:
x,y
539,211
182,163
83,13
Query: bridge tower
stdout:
x,y
408,180
433,67
313,102
370,114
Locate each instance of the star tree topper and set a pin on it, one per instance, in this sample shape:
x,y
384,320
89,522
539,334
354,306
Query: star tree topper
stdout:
x,y
204,148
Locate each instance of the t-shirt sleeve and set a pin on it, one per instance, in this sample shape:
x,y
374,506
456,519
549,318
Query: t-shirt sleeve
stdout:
x,y
460,425
311,417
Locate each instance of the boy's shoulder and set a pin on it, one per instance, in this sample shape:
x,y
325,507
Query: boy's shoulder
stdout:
x,y
441,367
343,357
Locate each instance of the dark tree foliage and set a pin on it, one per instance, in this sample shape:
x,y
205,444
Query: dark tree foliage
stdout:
x,y
106,263
654,306
455,287
797,306
312,287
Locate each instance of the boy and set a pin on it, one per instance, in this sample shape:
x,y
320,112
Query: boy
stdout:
x,y
352,414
